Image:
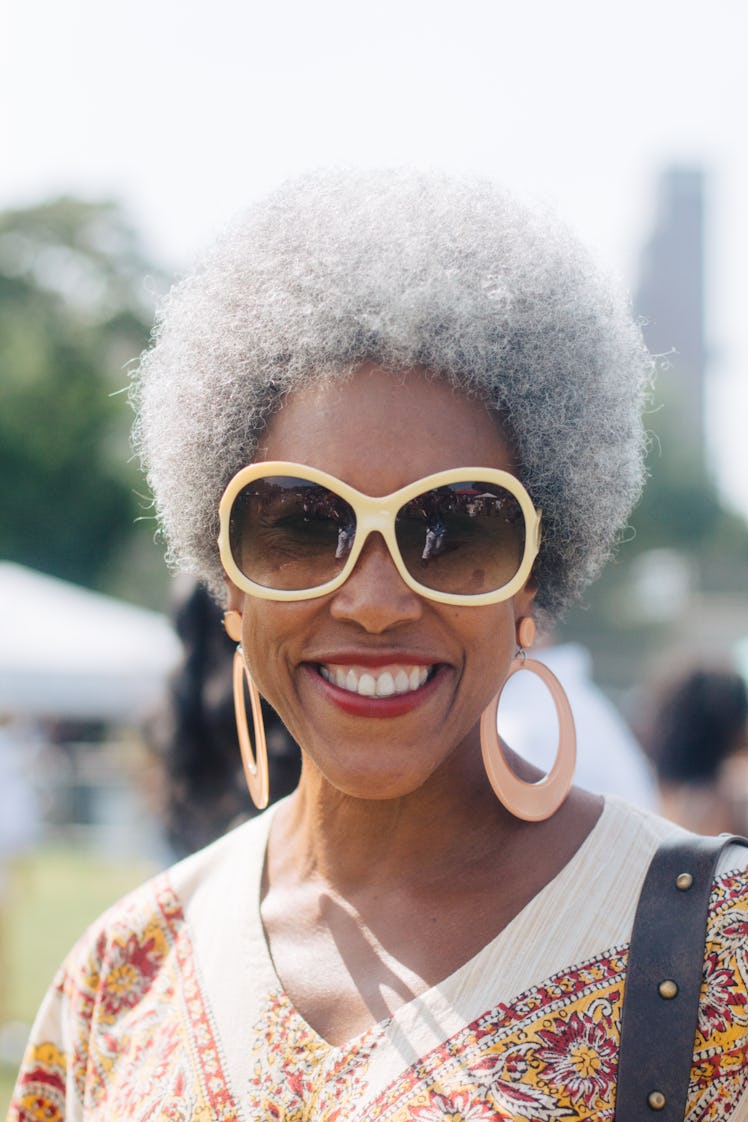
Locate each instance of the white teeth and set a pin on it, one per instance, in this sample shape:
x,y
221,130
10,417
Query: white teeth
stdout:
x,y
402,682
385,685
386,682
367,686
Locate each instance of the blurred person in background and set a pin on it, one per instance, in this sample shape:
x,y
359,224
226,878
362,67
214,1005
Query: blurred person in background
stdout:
x,y
193,733
609,757
694,728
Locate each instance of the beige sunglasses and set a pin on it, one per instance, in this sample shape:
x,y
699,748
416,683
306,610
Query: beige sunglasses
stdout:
x,y
464,536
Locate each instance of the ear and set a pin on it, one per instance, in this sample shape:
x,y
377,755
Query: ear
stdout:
x,y
232,617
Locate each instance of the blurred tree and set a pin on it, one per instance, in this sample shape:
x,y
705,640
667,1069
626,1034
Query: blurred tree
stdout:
x,y
682,514
680,507
76,305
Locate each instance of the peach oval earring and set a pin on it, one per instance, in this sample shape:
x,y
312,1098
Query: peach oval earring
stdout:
x,y
255,763
532,802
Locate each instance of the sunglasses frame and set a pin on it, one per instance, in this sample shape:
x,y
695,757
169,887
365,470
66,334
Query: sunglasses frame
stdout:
x,y
377,515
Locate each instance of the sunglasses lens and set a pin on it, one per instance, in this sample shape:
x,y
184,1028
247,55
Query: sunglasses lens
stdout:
x,y
462,539
289,533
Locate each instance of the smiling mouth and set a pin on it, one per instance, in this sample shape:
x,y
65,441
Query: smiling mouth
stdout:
x,y
384,681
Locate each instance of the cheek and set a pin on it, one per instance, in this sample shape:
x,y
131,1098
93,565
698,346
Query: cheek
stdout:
x,y
270,634
260,640
490,645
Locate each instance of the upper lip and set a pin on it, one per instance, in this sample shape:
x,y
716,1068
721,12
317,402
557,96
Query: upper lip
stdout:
x,y
375,658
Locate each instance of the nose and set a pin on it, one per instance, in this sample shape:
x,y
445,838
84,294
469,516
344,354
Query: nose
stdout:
x,y
375,595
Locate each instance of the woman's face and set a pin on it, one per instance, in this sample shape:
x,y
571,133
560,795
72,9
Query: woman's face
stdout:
x,y
378,432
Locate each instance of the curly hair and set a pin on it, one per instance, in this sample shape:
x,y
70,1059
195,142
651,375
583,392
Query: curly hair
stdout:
x,y
403,269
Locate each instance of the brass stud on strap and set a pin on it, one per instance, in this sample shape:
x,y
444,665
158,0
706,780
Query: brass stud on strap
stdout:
x,y
667,988
656,1100
683,882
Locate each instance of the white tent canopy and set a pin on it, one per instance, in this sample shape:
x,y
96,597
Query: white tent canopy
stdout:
x,y
68,652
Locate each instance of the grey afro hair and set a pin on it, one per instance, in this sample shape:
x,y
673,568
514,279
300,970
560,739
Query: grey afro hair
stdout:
x,y
400,268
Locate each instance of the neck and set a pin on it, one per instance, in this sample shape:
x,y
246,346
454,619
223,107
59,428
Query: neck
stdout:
x,y
449,824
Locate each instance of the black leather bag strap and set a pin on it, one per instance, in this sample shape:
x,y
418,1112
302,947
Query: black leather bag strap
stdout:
x,y
663,980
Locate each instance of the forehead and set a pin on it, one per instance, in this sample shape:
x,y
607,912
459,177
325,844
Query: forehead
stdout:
x,y
379,430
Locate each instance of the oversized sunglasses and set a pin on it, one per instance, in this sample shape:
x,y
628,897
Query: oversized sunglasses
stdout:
x,y
290,532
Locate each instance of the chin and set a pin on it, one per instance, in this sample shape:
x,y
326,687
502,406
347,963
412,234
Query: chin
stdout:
x,y
371,784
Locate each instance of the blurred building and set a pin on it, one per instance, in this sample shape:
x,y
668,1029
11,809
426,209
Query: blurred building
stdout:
x,y
670,298
699,594
679,585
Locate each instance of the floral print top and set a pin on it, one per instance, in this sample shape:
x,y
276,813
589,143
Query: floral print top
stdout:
x,y
170,1007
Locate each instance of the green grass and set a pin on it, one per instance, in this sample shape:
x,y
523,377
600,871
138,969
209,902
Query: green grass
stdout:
x,y
6,1089
54,895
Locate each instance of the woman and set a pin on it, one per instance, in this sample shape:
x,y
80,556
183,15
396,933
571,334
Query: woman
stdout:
x,y
418,405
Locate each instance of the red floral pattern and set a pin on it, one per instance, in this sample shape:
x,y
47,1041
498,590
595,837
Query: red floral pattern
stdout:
x,y
579,1057
296,1075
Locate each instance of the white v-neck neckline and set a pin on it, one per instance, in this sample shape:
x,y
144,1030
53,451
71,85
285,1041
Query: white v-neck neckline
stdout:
x,y
554,930
433,996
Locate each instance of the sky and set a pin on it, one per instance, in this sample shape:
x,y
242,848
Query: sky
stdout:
x,y
187,110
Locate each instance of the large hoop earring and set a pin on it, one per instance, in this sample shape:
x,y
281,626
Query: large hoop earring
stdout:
x,y
532,802
255,764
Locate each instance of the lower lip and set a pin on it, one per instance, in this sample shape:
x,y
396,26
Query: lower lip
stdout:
x,y
357,706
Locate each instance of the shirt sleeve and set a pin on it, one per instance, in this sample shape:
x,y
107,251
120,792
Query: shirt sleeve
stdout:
x,y
51,1081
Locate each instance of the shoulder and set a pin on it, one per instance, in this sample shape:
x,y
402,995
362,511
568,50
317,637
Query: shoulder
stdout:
x,y
129,992
601,888
146,925
639,832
